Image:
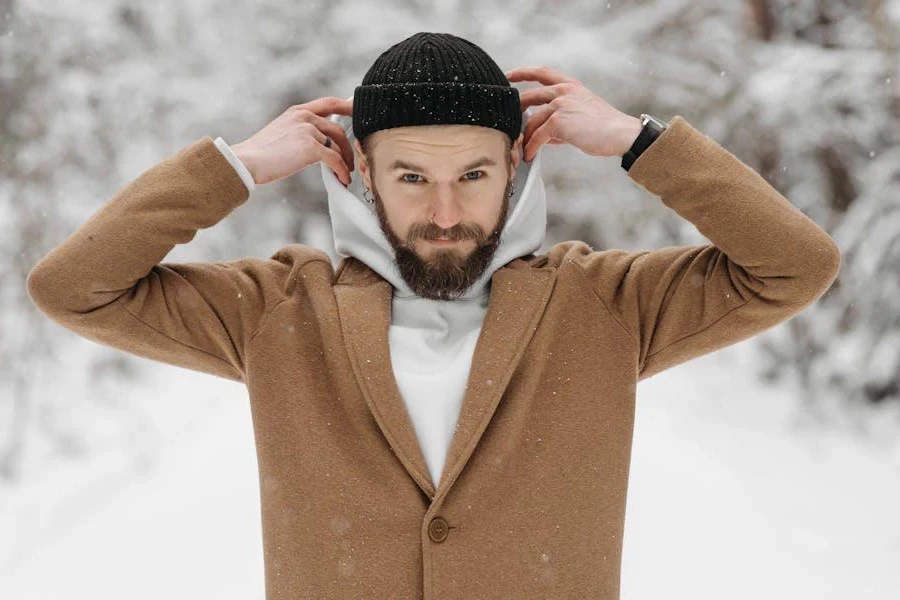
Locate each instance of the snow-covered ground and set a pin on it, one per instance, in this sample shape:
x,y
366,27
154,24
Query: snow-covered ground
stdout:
x,y
726,501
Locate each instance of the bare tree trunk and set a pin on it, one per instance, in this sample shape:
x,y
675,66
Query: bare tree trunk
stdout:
x,y
763,19
888,40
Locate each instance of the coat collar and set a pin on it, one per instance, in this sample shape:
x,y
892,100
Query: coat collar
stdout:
x,y
519,292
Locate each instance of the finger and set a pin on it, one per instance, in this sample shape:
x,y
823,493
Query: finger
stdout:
x,y
332,158
542,74
330,105
319,134
338,135
541,95
543,135
537,118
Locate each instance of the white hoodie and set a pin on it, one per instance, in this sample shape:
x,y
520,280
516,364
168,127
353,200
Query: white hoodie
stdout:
x,y
431,341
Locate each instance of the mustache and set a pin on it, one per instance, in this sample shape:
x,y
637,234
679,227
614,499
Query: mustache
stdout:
x,y
433,232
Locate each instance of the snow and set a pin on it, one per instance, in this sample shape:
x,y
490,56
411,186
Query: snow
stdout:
x,y
125,484
189,528
726,499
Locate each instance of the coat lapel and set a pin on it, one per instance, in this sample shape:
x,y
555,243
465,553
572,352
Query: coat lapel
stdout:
x,y
519,293
364,308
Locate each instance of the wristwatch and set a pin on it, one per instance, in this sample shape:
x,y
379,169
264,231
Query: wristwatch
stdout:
x,y
652,129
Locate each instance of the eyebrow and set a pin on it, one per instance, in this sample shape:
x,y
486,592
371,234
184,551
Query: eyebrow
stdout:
x,y
484,161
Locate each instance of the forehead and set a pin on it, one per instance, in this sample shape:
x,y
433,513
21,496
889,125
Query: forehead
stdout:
x,y
435,148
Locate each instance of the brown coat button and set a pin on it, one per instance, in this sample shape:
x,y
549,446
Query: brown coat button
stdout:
x,y
438,529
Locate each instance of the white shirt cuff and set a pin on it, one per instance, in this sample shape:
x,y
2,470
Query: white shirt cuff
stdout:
x,y
236,162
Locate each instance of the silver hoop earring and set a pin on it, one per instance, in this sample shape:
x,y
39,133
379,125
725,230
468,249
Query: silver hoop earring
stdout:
x,y
512,189
367,198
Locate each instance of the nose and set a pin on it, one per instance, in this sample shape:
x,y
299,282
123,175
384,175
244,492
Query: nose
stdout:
x,y
445,207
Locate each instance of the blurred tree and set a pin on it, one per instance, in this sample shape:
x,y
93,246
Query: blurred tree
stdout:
x,y
826,96
805,91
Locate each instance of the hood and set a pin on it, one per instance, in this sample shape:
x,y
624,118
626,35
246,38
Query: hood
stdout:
x,y
357,232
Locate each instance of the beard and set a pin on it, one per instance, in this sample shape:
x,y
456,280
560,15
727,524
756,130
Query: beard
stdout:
x,y
445,275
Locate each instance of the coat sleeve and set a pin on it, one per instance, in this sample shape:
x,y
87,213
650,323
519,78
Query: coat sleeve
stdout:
x,y
767,260
105,281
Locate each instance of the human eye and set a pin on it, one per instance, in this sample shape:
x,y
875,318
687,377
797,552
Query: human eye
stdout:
x,y
406,175
476,178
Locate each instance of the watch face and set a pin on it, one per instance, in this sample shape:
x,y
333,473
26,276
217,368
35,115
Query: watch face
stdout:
x,y
656,122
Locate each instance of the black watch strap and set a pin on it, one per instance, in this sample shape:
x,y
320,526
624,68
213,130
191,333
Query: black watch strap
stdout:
x,y
652,129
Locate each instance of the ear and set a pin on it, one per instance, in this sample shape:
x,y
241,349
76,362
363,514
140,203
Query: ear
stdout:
x,y
362,164
515,152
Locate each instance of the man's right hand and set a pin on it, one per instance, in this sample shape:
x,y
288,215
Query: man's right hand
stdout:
x,y
296,139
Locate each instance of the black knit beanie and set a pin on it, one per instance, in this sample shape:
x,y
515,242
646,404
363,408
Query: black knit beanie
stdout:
x,y
435,79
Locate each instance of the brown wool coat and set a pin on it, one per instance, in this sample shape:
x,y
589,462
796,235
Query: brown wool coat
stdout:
x,y
531,503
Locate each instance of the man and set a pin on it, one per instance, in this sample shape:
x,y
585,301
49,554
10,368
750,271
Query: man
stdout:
x,y
440,419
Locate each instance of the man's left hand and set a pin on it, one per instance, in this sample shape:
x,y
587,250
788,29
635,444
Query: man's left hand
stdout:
x,y
571,114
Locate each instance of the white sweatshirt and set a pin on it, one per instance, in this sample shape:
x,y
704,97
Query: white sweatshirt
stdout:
x,y
431,341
